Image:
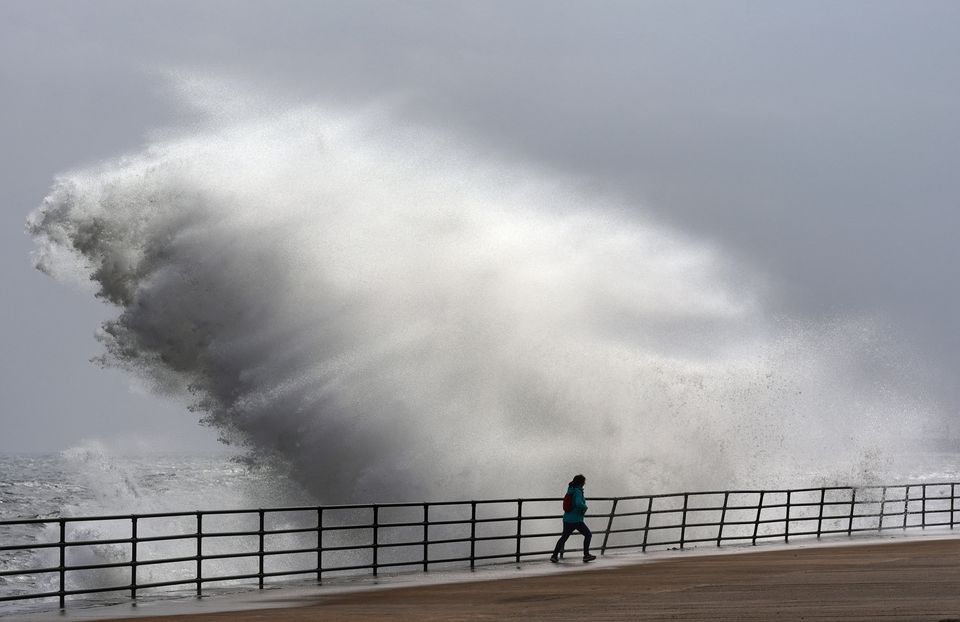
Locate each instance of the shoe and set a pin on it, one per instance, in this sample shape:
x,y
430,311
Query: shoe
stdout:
x,y
554,559
589,558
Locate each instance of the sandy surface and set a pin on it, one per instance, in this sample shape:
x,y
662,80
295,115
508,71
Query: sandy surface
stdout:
x,y
900,580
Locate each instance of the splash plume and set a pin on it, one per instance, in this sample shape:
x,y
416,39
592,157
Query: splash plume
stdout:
x,y
397,317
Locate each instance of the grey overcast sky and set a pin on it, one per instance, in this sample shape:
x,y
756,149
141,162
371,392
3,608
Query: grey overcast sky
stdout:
x,y
816,141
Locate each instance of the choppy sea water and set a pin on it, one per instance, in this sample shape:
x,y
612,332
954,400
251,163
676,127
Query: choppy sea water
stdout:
x,y
91,482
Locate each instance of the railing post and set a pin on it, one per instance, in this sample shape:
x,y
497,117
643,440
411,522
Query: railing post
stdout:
x,y
200,552
646,526
853,504
519,525
786,524
823,497
260,571
606,534
923,507
133,557
683,520
63,562
883,504
953,496
906,506
426,537
723,517
376,521
473,534
756,522
319,545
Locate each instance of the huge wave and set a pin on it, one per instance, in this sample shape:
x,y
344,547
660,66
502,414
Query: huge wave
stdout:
x,y
396,316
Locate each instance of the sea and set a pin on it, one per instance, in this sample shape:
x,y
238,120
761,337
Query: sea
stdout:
x,y
90,481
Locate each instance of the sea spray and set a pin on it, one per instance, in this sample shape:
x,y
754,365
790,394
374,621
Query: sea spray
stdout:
x,y
397,318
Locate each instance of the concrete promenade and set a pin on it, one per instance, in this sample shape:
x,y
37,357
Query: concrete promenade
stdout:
x,y
916,579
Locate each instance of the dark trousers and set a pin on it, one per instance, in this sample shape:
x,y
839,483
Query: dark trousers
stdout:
x,y
569,528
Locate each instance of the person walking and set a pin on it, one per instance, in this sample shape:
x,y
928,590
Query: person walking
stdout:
x,y
574,509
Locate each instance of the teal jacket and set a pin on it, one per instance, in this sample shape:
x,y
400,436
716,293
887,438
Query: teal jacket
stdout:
x,y
579,505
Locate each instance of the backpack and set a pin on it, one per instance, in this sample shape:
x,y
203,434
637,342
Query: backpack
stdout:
x,y
567,502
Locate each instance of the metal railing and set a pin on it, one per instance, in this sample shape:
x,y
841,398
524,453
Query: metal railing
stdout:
x,y
131,553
